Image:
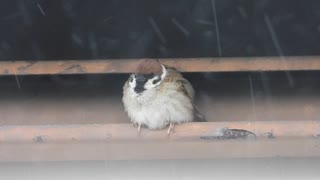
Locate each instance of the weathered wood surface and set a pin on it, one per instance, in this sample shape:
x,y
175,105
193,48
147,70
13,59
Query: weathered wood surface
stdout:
x,y
265,148
126,132
188,141
182,64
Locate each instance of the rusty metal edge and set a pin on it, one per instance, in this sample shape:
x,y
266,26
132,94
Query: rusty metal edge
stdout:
x,y
293,63
126,132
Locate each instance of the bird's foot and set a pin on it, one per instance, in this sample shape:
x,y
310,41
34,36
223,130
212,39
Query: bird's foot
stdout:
x,y
139,129
170,129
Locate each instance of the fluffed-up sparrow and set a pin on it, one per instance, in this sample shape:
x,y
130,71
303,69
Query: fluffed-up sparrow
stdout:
x,y
156,96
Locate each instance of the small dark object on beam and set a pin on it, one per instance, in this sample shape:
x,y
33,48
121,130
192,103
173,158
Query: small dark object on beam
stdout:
x,y
40,139
270,135
226,134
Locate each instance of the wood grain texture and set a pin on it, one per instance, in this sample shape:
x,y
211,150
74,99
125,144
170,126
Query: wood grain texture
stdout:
x,y
122,142
266,148
182,64
126,132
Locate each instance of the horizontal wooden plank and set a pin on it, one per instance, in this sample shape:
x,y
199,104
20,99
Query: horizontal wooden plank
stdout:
x,y
182,64
126,132
188,141
266,148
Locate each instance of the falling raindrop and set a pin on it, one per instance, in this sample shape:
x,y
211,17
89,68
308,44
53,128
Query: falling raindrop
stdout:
x,y
180,27
17,80
157,30
278,47
41,10
217,26
253,102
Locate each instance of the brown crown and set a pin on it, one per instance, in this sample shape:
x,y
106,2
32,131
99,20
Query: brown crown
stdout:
x,y
149,66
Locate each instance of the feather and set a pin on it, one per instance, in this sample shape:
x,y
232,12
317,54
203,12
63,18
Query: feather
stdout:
x,y
198,117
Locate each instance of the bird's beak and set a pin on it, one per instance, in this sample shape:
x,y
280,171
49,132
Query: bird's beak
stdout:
x,y
140,81
140,78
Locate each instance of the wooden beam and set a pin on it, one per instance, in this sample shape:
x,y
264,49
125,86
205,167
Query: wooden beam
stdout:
x,y
126,132
182,64
188,141
265,148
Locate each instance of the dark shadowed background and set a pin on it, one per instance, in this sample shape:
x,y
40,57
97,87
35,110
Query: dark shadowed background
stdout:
x,y
82,29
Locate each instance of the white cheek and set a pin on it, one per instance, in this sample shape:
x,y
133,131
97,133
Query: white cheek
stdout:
x,y
150,85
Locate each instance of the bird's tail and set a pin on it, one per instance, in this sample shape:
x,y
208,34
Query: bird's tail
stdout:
x,y
198,117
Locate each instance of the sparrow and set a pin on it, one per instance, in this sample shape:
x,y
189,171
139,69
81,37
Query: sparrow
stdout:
x,y
157,96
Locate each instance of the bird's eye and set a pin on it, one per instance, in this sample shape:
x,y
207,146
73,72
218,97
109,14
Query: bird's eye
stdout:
x,y
149,76
156,81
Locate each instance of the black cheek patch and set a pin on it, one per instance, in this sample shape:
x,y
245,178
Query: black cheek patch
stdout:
x,y
139,89
156,81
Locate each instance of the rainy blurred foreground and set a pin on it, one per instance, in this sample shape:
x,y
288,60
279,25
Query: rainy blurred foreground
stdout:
x,y
230,169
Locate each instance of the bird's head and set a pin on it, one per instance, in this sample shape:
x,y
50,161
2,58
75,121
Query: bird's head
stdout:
x,y
148,75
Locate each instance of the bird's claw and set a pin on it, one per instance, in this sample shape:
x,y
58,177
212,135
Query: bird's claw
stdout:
x,y
170,129
139,129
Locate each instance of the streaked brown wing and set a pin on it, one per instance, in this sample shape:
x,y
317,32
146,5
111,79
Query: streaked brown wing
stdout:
x,y
182,88
198,117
